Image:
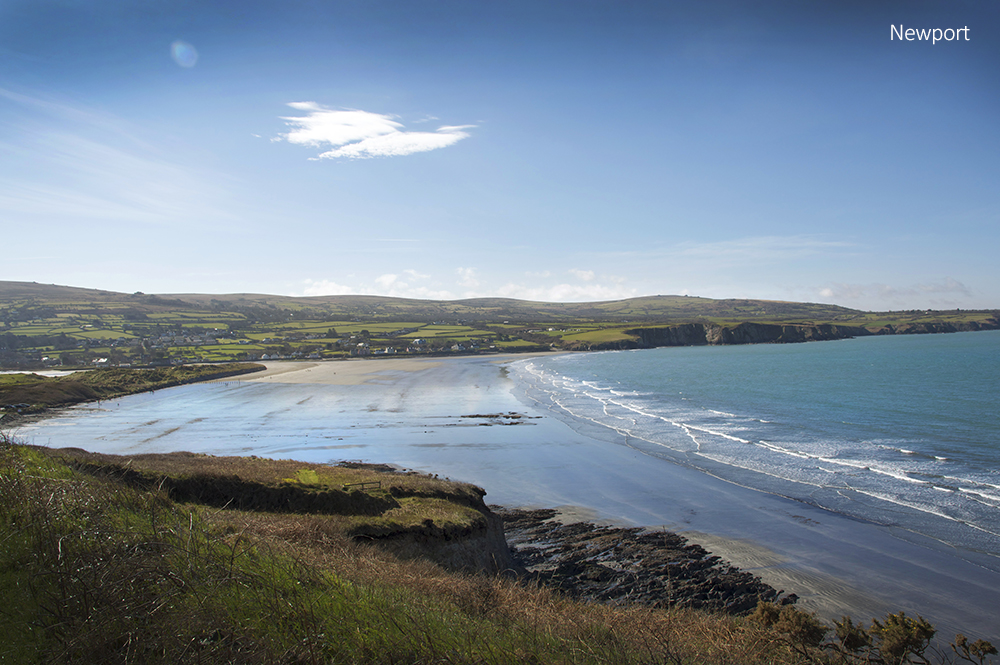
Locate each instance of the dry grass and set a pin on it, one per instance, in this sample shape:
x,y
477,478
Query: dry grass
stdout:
x,y
588,632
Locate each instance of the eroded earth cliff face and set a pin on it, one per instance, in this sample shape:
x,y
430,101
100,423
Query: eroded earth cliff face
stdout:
x,y
477,548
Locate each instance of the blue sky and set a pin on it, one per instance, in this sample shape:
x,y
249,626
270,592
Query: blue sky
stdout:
x,y
544,150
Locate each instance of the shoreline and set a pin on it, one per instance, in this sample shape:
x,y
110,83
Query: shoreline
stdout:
x,y
355,371
428,415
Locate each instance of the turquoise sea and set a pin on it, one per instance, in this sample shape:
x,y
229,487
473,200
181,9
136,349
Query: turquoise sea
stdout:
x,y
901,431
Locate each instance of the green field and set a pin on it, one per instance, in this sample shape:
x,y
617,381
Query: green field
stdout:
x,y
46,325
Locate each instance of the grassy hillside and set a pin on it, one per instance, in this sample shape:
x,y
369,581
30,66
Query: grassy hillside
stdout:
x,y
47,325
104,562
648,308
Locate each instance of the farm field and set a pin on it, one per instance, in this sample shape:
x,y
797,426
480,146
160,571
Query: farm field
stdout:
x,y
58,326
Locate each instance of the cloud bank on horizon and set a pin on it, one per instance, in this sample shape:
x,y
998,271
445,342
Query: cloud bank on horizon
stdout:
x,y
362,135
582,287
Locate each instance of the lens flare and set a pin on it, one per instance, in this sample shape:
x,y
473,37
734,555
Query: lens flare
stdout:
x,y
183,54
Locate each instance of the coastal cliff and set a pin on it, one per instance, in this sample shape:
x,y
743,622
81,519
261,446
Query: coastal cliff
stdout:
x,y
406,513
478,547
935,327
699,334
711,334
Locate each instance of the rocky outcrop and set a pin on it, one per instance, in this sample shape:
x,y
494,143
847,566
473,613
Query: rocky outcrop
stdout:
x,y
629,566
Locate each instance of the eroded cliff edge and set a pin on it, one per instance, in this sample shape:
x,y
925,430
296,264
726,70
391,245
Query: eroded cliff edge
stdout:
x,y
710,334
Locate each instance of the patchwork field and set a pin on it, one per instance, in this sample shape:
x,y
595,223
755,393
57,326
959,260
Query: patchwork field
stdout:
x,y
51,326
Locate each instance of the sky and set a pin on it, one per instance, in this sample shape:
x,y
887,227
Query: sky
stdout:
x,y
545,150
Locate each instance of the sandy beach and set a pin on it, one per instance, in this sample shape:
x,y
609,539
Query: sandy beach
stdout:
x,y
340,373
462,417
358,370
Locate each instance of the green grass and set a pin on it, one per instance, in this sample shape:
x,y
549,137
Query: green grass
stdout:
x,y
96,570
599,336
518,344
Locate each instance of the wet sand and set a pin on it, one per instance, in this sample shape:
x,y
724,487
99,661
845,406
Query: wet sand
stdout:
x,y
452,416
358,370
336,373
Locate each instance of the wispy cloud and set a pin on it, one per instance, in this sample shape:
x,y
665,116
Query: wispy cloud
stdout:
x,y
361,135
324,287
607,288
79,163
947,292
759,248
584,275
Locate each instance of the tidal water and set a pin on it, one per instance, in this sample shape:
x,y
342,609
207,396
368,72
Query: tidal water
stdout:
x,y
900,431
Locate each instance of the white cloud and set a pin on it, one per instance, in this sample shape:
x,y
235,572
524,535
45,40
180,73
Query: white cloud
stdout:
x,y
389,284
420,292
361,134
386,281
566,292
324,287
584,275
467,277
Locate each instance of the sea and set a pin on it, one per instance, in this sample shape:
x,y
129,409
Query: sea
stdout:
x,y
900,431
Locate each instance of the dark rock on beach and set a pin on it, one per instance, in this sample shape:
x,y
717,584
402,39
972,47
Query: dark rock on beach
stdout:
x,y
627,566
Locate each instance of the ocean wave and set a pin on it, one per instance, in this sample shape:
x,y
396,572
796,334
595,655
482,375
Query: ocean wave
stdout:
x,y
778,455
